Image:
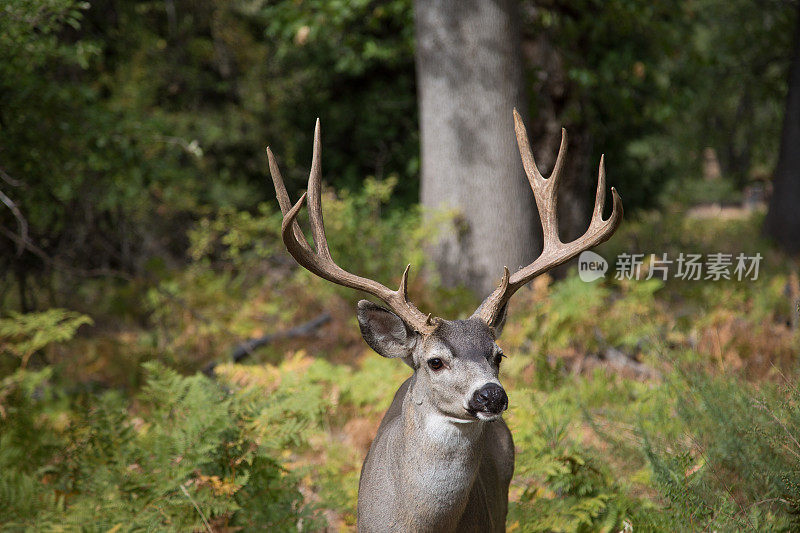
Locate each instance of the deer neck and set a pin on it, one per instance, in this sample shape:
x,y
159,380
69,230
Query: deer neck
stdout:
x,y
440,461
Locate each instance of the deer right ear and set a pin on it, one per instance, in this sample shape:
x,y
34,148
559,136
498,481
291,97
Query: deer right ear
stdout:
x,y
385,332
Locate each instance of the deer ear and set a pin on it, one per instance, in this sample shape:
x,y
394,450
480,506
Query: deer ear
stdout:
x,y
501,319
501,322
384,331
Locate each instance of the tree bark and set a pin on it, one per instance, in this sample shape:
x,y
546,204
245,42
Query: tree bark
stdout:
x,y
783,218
469,78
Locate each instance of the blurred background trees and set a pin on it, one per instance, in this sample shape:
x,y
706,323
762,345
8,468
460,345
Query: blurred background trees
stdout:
x,y
783,222
122,123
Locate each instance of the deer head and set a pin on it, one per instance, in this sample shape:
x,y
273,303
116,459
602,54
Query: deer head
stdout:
x,y
456,363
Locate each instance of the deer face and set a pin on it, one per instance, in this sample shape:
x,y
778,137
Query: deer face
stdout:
x,y
456,367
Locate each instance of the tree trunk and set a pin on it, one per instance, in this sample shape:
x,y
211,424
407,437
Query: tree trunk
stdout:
x,y
783,218
469,77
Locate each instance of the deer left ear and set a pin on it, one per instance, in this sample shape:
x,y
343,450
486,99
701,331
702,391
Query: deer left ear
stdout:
x,y
385,332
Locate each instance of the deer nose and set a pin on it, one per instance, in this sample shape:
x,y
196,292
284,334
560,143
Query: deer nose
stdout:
x,y
490,398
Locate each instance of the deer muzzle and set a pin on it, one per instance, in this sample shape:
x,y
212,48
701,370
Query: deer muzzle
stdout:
x,y
490,399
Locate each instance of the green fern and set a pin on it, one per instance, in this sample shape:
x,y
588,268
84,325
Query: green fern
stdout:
x,y
23,334
186,454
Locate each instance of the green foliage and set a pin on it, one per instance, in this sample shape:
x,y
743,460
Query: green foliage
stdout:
x,y
615,89
566,488
361,233
575,315
75,165
737,104
230,253
352,65
691,190
737,468
121,123
654,83
22,335
188,453
238,237
277,443
701,450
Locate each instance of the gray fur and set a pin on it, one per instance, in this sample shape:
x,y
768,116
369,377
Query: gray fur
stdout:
x,y
433,466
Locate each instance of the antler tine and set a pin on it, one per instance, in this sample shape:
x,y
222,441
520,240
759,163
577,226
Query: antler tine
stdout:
x,y
314,197
554,252
562,154
544,189
528,163
304,255
283,198
319,262
403,289
600,197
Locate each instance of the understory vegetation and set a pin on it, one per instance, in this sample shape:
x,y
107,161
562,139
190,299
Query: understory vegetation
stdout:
x,y
643,405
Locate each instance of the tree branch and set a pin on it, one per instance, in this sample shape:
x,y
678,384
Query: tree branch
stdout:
x,y
21,222
246,348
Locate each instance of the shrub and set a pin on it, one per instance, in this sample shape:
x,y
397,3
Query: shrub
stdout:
x,y
736,468
185,455
22,335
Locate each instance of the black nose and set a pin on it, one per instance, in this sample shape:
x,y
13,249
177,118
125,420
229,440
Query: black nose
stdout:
x,y
491,398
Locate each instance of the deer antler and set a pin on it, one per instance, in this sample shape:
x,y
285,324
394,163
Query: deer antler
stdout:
x,y
554,252
320,262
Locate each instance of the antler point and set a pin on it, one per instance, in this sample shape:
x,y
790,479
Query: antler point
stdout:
x,y
403,289
518,119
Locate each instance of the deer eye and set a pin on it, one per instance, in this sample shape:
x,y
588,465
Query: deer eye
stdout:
x,y
498,358
435,363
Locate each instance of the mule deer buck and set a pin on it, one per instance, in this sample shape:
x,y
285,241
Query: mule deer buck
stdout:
x,y
443,457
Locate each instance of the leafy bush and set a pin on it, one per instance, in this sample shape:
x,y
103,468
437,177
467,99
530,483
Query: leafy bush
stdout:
x,y
361,233
565,486
737,467
184,455
22,335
